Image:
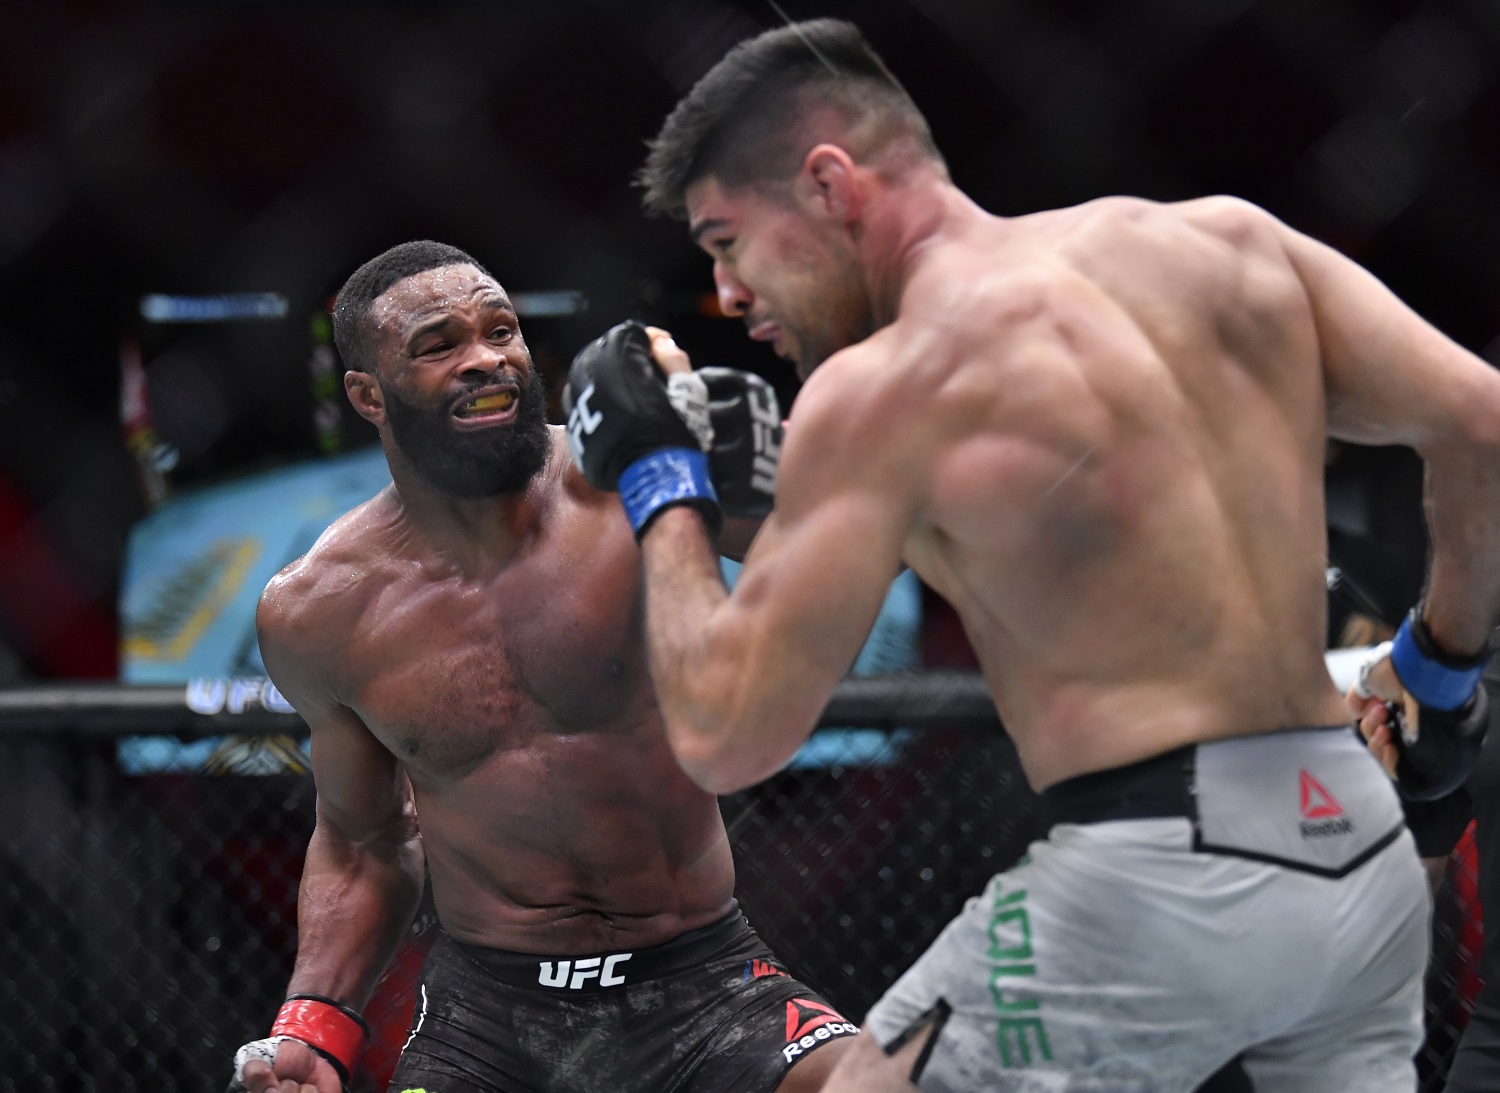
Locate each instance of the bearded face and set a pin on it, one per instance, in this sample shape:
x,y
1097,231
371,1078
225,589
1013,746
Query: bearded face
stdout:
x,y
451,383
459,451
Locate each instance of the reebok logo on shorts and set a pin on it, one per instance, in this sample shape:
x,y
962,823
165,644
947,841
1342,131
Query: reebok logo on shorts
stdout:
x,y
1322,815
759,969
809,1024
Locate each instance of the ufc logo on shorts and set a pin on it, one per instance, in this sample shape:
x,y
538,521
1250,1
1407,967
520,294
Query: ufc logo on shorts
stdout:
x,y
605,969
765,416
582,422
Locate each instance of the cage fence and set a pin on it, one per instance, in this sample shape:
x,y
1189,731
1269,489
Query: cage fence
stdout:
x,y
151,918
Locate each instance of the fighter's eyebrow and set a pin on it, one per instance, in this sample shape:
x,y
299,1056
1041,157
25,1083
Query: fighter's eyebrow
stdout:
x,y
494,303
428,327
697,230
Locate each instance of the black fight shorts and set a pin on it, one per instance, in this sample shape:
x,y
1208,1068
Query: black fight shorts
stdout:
x,y
709,1012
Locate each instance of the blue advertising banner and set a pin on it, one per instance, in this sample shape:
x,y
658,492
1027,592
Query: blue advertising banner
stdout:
x,y
195,567
194,570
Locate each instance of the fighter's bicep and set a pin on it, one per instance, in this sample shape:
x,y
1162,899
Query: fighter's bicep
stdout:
x,y
820,569
847,537
849,480
360,786
844,493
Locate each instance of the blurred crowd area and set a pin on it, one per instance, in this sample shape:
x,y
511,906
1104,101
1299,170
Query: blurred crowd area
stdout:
x,y
198,150
271,147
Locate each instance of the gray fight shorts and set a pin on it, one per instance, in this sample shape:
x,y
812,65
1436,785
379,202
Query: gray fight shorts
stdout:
x,y
1257,897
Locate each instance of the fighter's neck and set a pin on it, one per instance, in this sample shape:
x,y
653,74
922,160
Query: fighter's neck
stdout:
x,y
474,535
904,228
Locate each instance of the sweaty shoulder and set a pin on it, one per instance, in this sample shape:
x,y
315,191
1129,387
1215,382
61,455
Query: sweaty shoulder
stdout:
x,y
853,396
325,590
876,416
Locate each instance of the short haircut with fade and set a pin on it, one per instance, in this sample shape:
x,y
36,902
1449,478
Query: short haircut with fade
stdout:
x,y
741,123
351,310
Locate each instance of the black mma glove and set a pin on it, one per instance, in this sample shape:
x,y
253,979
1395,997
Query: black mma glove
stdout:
x,y
746,445
625,434
1453,713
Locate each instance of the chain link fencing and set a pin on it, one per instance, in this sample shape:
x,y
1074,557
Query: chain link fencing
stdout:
x,y
1453,980
150,921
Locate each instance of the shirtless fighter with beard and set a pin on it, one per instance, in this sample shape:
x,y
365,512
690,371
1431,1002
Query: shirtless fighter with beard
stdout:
x,y
467,649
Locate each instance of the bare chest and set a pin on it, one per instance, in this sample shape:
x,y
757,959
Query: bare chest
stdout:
x,y
447,675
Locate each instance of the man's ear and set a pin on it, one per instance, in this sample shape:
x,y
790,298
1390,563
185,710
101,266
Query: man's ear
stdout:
x,y
365,396
829,180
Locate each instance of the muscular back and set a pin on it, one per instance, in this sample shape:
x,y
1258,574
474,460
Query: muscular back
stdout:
x,y
1117,413
517,703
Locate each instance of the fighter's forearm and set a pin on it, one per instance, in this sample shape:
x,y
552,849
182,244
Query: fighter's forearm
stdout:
x,y
356,901
707,683
1462,603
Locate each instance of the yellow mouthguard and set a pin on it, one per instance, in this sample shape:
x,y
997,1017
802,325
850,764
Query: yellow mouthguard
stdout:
x,y
491,402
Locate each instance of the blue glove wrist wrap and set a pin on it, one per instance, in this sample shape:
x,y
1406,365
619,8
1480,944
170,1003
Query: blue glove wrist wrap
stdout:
x,y
665,477
1431,682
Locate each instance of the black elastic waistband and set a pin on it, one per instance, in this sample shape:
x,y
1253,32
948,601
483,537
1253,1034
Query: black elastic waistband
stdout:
x,y
1158,787
609,970
1155,788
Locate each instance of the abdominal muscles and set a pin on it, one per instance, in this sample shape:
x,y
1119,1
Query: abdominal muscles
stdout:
x,y
572,840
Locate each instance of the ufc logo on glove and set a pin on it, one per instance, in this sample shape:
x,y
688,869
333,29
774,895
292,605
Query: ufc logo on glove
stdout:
x,y
710,439
765,415
581,422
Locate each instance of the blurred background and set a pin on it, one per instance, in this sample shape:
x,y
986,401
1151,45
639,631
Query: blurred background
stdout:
x,y
183,187
271,147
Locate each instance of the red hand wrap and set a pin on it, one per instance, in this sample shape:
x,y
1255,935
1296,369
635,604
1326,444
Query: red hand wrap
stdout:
x,y
326,1026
